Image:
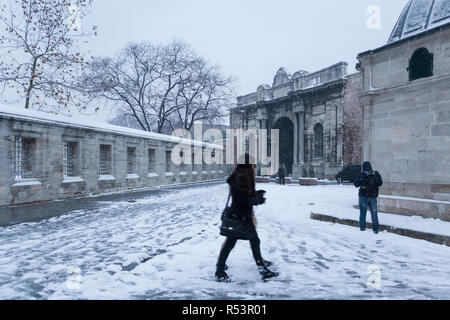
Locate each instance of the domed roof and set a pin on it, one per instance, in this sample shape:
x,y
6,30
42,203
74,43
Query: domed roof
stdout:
x,y
419,16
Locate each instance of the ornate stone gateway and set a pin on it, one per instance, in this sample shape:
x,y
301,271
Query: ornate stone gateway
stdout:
x,y
299,104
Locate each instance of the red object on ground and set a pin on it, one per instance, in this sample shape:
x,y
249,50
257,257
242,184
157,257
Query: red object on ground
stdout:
x,y
308,182
262,180
288,180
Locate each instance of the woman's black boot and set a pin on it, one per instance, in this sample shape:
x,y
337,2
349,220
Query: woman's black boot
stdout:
x,y
265,272
265,263
221,275
268,263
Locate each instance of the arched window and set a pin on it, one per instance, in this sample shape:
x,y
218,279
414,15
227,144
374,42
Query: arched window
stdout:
x,y
420,65
318,140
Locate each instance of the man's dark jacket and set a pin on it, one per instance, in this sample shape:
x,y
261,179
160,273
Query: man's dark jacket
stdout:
x,y
361,179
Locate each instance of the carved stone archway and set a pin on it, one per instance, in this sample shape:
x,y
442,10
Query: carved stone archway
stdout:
x,y
286,128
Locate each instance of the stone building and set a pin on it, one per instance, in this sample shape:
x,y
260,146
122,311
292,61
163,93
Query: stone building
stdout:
x,y
405,102
48,157
317,114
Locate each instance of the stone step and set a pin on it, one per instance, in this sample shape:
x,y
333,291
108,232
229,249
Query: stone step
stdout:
x,y
430,237
406,206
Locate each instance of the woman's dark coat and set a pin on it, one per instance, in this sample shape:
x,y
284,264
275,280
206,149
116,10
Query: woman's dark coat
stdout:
x,y
242,188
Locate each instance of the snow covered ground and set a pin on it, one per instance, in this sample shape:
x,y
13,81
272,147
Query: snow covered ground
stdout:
x,y
165,246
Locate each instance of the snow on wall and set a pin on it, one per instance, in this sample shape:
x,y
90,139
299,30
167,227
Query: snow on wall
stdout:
x,y
33,115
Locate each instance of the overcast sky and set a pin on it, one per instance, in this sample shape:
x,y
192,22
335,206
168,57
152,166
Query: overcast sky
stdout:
x,y
249,39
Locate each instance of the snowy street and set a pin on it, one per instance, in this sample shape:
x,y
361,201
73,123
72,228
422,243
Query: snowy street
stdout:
x,y
165,245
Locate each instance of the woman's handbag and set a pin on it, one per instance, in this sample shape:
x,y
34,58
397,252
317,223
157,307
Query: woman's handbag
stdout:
x,y
233,227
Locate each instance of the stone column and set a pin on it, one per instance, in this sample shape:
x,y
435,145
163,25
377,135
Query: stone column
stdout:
x,y
299,139
262,120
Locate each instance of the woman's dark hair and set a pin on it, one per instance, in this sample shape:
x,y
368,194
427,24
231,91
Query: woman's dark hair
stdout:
x,y
246,175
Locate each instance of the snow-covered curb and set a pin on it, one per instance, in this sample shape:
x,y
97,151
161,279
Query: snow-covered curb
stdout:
x,y
416,223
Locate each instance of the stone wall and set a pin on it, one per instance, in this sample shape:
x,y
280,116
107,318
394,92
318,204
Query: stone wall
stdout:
x,y
407,123
48,182
352,120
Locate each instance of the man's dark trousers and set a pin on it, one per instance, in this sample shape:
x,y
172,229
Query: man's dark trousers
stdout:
x,y
372,204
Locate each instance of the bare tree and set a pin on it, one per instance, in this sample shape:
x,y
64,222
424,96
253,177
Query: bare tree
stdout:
x,y
203,95
39,49
154,84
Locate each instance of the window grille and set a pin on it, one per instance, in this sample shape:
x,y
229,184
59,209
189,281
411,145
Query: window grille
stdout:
x,y
105,160
168,160
318,140
23,153
131,160
151,160
69,158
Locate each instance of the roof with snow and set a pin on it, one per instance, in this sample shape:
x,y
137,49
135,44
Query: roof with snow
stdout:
x,y
419,16
19,113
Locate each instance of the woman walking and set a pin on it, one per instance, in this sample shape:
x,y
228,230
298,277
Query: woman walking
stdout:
x,y
244,195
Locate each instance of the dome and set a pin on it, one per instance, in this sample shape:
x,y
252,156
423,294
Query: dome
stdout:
x,y
419,16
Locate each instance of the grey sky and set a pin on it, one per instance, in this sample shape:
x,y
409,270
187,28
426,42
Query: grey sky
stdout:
x,y
249,39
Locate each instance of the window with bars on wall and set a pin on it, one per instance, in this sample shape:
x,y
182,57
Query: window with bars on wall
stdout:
x,y
204,167
151,160
182,164
131,160
23,158
69,161
318,140
105,166
168,160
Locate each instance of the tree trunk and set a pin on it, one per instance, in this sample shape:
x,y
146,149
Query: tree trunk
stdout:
x,y
30,87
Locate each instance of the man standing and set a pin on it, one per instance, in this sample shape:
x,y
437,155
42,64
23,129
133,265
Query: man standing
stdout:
x,y
369,183
282,174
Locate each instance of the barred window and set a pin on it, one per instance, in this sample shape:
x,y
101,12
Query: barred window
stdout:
x,y
151,160
23,158
131,160
69,154
168,160
204,166
105,160
182,164
318,140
